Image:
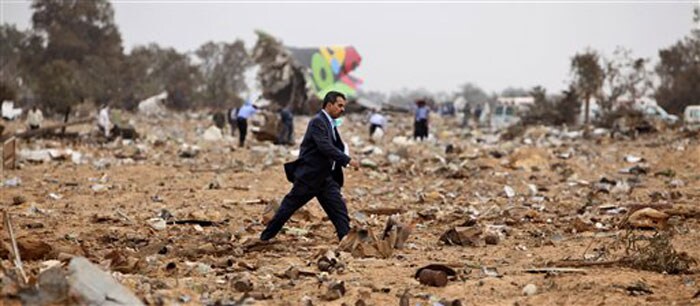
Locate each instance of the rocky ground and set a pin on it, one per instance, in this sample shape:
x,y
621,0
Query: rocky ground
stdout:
x,y
546,218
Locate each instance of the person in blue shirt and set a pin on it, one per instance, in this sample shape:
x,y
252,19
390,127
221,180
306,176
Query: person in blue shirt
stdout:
x,y
420,127
246,111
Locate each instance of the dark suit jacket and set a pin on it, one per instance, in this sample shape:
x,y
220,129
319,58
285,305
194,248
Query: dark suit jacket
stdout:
x,y
317,153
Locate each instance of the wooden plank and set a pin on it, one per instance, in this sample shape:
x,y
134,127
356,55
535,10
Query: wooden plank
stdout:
x,y
14,250
9,153
555,270
31,133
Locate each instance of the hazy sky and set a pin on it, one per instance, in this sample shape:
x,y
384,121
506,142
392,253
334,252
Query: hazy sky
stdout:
x,y
413,45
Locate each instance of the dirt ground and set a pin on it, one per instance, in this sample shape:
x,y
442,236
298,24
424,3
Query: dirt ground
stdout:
x,y
102,206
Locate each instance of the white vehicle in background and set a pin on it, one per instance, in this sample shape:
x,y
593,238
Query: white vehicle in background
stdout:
x,y
504,116
508,111
657,112
691,117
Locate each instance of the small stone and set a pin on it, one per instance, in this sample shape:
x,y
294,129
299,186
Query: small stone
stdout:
x,y
405,299
676,183
509,191
203,269
324,266
648,218
18,200
307,301
156,223
633,159
432,278
530,290
368,163
292,273
335,291
13,182
243,285
215,184
394,159
492,238
98,188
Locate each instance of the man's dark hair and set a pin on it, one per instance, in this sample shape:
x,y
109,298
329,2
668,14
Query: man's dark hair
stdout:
x,y
331,97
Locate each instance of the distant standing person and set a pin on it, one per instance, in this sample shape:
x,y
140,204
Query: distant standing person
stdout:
x,y
420,128
104,123
467,114
34,118
287,131
477,115
377,120
247,111
318,171
233,119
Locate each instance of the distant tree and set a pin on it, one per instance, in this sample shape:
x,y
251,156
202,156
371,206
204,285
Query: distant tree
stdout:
x,y
7,91
569,106
552,111
613,84
144,70
83,45
31,61
625,77
638,82
149,70
20,52
222,69
374,96
514,92
474,94
407,97
10,53
588,77
540,112
60,86
76,28
679,72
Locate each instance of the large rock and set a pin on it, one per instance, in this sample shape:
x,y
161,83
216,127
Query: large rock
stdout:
x,y
213,133
92,286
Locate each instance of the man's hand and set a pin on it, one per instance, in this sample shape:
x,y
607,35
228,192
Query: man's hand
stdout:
x,y
354,163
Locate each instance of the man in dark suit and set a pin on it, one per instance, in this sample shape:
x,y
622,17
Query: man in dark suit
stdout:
x,y
318,171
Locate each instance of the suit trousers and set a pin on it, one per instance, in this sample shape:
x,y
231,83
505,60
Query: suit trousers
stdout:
x,y
328,195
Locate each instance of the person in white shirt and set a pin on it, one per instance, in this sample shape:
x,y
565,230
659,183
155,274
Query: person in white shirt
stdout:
x,y
377,120
103,121
34,118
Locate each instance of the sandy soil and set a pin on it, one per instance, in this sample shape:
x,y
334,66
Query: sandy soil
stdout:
x,y
100,209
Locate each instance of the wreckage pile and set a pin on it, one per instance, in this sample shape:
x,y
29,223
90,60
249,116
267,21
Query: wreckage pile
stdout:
x,y
280,75
464,218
